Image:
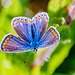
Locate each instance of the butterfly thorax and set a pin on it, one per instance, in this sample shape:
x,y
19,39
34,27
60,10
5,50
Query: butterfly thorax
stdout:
x,y
35,44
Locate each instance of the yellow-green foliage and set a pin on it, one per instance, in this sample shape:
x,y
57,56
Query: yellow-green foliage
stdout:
x,y
13,63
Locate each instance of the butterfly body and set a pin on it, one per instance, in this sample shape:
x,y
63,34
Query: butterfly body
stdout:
x,y
31,34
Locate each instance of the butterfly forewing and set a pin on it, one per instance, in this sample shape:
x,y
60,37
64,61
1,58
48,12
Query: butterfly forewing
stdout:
x,y
22,26
40,22
12,44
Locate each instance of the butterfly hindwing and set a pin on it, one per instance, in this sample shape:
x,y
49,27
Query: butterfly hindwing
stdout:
x,y
13,44
39,22
22,26
51,37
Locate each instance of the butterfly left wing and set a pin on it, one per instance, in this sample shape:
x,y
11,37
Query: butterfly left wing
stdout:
x,y
22,26
51,37
12,44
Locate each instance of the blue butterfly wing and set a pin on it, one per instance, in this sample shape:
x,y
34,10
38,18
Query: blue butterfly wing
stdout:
x,y
51,37
13,44
22,26
39,22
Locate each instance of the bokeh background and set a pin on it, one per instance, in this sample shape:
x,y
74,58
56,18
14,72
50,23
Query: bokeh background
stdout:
x,y
62,56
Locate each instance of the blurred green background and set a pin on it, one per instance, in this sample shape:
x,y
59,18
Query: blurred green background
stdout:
x,y
62,59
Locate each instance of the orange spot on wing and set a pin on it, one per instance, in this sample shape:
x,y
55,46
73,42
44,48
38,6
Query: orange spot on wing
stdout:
x,y
14,25
19,21
36,19
7,38
4,43
3,46
46,20
16,22
25,21
39,18
52,31
10,36
22,21
55,35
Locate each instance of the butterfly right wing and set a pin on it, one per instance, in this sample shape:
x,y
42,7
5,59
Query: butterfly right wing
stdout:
x,y
51,37
12,44
22,26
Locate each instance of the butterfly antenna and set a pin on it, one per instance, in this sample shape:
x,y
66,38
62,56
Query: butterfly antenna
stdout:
x,y
28,57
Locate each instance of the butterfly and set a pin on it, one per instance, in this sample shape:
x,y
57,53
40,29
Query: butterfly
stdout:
x,y
32,34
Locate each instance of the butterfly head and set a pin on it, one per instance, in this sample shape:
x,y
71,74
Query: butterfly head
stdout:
x,y
35,50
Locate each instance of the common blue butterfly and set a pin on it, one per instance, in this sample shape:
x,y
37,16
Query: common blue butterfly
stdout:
x,y
31,34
